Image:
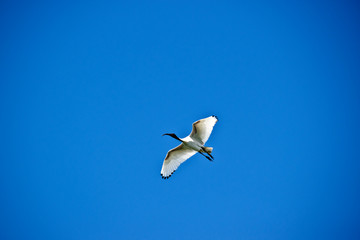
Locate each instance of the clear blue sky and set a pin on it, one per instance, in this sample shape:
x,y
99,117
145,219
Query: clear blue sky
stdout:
x,y
88,88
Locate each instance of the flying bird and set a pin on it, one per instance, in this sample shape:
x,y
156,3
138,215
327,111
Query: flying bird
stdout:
x,y
190,145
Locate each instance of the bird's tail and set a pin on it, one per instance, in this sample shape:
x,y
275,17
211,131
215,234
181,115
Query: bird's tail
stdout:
x,y
208,149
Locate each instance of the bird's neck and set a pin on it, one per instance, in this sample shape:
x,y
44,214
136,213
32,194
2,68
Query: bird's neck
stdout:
x,y
173,136
176,137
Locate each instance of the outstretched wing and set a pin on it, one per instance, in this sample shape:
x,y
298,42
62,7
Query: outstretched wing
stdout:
x,y
202,129
174,158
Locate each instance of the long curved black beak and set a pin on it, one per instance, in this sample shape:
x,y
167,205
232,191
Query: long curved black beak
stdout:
x,y
172,135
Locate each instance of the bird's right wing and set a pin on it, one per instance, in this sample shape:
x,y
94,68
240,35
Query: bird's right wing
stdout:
x,y
202,129
174,158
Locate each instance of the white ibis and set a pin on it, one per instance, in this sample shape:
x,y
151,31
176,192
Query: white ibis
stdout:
x,y
190,145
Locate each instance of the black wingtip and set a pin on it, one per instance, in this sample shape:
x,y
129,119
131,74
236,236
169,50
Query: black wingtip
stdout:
x,y
163,177
215,117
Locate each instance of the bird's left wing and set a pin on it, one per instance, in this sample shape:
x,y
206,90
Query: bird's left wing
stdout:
x,y
202,129
174,158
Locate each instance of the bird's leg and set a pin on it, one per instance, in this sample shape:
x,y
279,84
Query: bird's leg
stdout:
x,y
210,155
205,156
207,152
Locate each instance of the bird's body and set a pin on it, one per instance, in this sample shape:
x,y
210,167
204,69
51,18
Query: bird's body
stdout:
x,y
190,143
189,146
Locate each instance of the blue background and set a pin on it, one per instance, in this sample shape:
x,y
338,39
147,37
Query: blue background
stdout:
x,y
88,88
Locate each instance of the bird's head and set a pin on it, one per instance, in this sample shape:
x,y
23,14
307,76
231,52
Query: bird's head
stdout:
x,y
172,135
